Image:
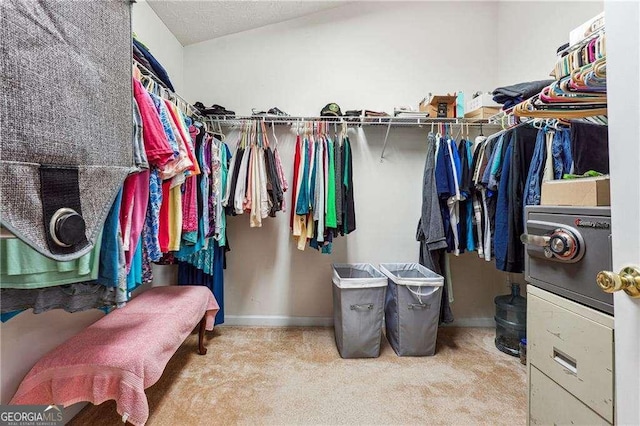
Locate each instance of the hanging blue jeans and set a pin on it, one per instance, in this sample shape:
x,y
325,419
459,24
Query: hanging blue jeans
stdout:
x,y
561,150
531,194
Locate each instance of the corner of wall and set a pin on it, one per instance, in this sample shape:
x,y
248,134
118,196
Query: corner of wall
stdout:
x,y
160,40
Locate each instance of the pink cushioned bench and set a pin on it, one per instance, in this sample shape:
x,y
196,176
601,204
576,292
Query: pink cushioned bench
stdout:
x,y
121,354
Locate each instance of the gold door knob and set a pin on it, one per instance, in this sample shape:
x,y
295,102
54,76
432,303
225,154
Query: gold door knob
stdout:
x,y
628,280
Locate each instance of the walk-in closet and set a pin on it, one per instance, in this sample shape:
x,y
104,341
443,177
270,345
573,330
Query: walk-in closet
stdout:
x,y
319,212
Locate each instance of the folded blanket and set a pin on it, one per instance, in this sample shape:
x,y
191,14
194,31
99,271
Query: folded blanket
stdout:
x,y
121,354
516,93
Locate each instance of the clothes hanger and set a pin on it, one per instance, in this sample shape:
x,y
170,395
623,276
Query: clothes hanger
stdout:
x,y
265,135
137,74
259,134
205,126
219,133
254,133
273,130
243,136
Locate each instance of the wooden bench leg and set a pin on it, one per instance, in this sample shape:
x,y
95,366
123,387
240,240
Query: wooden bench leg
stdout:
x,y
201,349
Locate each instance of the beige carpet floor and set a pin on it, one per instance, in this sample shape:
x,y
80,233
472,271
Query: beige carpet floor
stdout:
x,y
287,376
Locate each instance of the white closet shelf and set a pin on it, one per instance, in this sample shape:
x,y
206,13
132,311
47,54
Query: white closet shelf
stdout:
x,y
400,121
388,121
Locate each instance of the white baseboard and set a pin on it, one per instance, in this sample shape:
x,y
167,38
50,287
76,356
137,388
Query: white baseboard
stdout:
x,y
285,321
277,321
473,322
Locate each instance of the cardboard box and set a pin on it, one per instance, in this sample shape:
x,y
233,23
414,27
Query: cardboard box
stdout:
x,y
577,192
482,112
484,100
439,106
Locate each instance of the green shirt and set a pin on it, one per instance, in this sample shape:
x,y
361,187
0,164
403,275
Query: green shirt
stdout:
x,y
331,219
23,267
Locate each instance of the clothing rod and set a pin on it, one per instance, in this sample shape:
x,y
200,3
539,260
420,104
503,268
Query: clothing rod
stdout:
x,y
394,121
503,131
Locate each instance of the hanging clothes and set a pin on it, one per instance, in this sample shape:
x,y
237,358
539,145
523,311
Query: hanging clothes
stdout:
x,y
348,202
533,187
76,297
507,174
524,140
430,225
162,211
253,185
185,218
501,230
22,267
561,154
589,148
430,233
322,198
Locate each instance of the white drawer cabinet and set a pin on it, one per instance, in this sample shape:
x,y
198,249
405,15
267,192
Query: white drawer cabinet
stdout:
x,y
550,404
570,356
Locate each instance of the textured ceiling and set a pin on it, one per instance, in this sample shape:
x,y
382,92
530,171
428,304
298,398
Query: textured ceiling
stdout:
x,y
194,21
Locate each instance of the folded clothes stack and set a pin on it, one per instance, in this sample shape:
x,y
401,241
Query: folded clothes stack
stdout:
x,y
333,110
510,96
408,112
213,110
275,111
354,114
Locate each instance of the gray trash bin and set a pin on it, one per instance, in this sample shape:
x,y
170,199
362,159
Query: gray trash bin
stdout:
x,y
358,309
412,308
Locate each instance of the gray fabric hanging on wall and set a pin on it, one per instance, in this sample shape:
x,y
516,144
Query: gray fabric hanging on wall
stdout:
x,y
65,98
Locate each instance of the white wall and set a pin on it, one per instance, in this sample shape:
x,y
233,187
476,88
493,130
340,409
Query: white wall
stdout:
x,y
162,44
373,55
27,337
530,33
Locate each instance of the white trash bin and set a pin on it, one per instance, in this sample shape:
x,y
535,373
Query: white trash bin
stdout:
x,y
412,308
358,309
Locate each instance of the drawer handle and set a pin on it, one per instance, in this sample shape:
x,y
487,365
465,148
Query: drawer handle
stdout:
x,y
565,361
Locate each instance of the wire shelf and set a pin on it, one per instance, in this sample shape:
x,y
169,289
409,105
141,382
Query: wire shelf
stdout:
x,y
373,121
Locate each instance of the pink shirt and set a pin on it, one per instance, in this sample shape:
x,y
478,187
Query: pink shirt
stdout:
x,y
156,145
